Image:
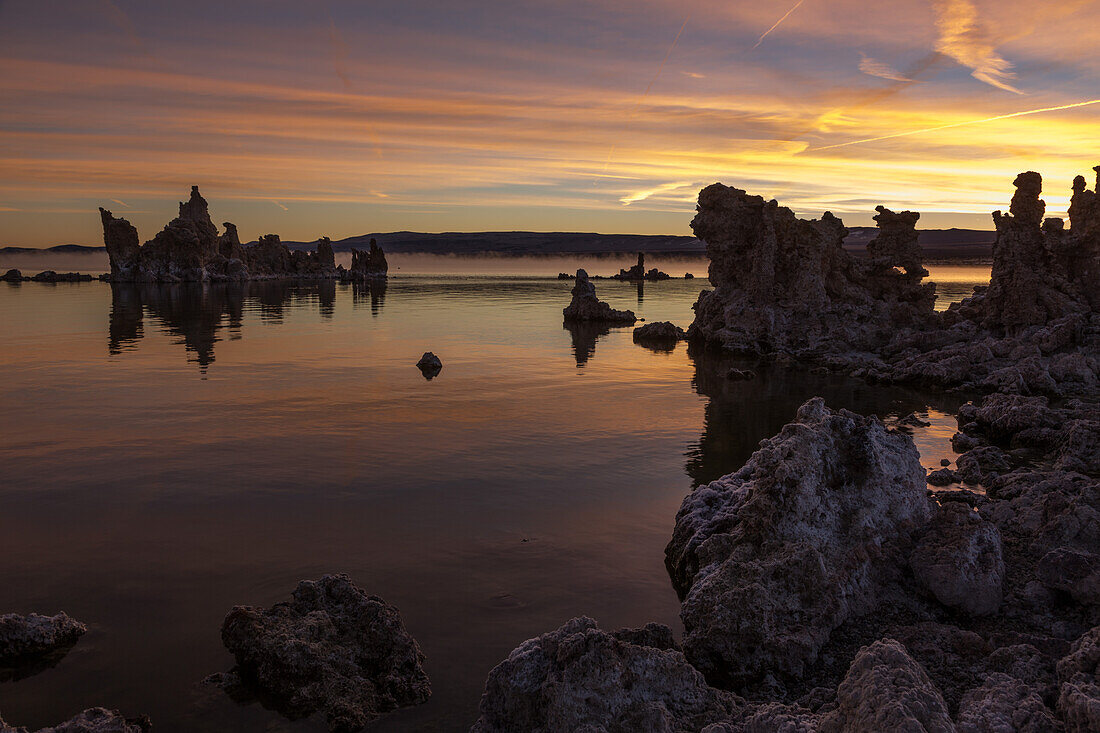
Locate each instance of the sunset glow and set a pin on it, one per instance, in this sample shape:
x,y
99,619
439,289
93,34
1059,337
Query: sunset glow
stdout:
x,y
344,118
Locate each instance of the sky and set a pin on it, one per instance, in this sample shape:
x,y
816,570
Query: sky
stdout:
x,y
342,118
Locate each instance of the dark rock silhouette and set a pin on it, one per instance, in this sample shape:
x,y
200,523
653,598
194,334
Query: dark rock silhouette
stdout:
x,y
638,272
784,287
659,335
331,649
429,365
12,276
369,264
189,249
585,306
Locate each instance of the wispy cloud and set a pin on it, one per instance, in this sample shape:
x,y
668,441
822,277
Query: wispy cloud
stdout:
x,y
694,75
876,68
279,205
663,188
121,203
786,15
964,39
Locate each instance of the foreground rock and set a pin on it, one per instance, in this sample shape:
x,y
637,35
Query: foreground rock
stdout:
x,y
784,286
1079,672
769,560
585,306
25,637
190,249
331,649
582,678
92,720
959,560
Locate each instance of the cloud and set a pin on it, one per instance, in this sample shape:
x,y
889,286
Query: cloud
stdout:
x,y
876,68
121,203
963,39
694,75
634,198
279,205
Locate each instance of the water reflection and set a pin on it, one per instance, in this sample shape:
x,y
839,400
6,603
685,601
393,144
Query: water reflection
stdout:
x,y
739,412
373,290
199,315
585,334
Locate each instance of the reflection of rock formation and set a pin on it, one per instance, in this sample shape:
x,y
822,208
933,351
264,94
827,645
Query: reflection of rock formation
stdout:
x,y
189,249
197,313
370,289
584,335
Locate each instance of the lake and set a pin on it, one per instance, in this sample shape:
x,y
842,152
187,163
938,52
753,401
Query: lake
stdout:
x,y
172,451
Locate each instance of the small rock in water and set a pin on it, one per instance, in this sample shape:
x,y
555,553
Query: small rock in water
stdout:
x,y
740,375
92,720
913,420
944,462
943,477
330,649
429,365
22,637
12,276
659,335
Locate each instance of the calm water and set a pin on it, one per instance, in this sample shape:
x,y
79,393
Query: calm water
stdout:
x,y
169,452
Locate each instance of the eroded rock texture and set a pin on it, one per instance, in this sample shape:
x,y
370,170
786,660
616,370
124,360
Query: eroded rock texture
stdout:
x,y
769,560
92,720
331,649
23,637
784,286
959,560
190,249
585,306
582,678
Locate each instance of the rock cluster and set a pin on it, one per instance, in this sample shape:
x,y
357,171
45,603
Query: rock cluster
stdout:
x,y
638,272
46,276
585,306
784,286
331,649
190,249
369,264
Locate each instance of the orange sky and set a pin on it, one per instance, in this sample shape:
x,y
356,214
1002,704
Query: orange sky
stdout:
x,y
344,118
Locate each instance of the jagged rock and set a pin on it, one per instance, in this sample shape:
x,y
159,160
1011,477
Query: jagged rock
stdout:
x,y
943,477
189,249
770,559
92,720
914,421
12,276
959,560
331,649
982,464
1079,672
33,635
368,264
429,365
786,285
885,690
1073,572
638,272
1004,703
580,678
662,335
585,306
740,375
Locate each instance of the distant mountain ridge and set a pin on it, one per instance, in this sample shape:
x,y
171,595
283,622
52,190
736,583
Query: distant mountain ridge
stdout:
x,y
963,243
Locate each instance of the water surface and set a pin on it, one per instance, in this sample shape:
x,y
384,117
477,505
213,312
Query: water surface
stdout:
x,y
171,451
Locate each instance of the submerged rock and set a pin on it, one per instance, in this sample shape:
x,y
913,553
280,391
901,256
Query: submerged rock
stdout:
x,y
770,559
582,678
189,249
585,306
92,720
331,649
22,637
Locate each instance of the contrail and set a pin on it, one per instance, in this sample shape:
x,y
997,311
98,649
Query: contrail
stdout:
x,y
956,124
767,32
